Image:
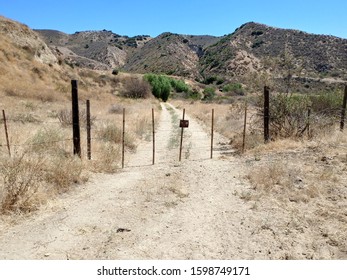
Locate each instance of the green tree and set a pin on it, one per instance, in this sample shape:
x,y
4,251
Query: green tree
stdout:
x,y
161,86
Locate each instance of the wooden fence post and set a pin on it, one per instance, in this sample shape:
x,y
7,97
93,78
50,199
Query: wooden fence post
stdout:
x,y
343,111
89,148
153,160
266,114
123,138
6,133
75,119
212,128
244,129
181,142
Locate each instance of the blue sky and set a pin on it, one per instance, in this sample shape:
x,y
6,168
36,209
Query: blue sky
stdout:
x,y
197,17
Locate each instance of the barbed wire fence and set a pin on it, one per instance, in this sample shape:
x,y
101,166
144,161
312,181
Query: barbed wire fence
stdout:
x,y
74,142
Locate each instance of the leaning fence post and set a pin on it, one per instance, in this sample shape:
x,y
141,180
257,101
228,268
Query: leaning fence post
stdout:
x,y
123,138
343,111
266,114
75,120
6,133
89,148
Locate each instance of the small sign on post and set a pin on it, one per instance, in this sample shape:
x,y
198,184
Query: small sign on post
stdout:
x,y
184,123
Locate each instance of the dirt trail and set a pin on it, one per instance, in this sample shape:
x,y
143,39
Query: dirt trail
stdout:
x,y
171,210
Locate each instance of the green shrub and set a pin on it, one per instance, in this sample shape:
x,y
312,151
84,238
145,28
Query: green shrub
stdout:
x,y
220,81
210,80
234,89
327,103
209,93
47,141
193,94
289,113
161,86
257,33
257,44
179,85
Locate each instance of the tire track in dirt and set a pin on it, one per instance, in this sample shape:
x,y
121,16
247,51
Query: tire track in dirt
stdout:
x,y
86,223
172,210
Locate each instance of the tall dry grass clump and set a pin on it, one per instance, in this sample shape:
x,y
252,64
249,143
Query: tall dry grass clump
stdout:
x,y
39,170
28,180
21,179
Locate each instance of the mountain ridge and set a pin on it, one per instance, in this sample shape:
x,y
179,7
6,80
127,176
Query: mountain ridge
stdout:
x,y
251,48
252,52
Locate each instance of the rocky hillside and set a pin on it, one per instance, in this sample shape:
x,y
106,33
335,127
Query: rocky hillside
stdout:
x,y
168,53
24,59
31,69
171,54
26,39
257,48
93,49
252,53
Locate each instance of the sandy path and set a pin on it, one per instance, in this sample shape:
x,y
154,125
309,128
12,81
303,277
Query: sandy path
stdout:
x,y
193,209
159,204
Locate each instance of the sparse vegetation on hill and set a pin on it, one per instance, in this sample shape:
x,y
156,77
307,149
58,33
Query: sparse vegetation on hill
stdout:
x,y
262,50
254,53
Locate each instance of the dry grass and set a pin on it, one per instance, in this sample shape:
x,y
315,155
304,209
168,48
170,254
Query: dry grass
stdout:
x,y
301,185
42,164
36,99
228,118
29,180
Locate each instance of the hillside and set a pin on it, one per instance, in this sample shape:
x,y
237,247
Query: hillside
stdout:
x,y
256,49
31,69
27,64
93,49
253,53
171,54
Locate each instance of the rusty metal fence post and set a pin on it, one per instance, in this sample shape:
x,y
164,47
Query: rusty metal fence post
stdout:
x,y
181,142
266,114
89,148
6,133
123,138
153,130
343,110
244,129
